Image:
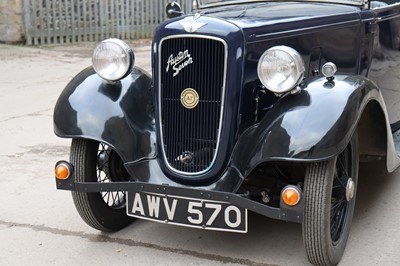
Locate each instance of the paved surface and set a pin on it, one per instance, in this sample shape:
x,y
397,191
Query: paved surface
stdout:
x,y
39,225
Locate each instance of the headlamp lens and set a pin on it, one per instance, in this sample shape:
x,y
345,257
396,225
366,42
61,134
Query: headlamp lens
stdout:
x,y
280,69
112,59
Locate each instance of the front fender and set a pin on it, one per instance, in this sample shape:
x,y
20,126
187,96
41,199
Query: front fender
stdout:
x,y
313,125
120,114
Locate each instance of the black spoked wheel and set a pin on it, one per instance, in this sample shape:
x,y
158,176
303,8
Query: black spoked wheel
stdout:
x,y
330,192
97,162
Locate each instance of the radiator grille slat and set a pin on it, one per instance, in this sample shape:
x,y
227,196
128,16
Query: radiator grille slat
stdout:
x,y
193,134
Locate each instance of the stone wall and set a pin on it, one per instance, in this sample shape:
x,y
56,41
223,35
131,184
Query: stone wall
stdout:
x,y
11,21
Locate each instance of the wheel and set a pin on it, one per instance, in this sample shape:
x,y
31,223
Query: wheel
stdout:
x,y
97,162
330,193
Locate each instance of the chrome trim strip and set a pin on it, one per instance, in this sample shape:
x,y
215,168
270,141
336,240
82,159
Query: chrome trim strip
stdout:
x,y
314,28
222,101
233,2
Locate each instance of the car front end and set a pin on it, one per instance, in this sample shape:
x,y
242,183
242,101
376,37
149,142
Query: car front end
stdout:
x,y
243,106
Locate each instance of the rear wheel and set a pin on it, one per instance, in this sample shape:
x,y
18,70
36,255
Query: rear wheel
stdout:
x,y
97,162
330,192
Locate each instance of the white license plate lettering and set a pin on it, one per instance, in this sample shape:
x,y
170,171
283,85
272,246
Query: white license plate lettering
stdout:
x,y
196,214
154,205
192,212
170,209
236,221
138,205
217,208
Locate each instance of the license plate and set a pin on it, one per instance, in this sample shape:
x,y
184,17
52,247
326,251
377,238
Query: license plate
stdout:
x,y
187,211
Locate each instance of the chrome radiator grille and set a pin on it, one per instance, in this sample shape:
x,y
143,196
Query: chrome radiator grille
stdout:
x,y
190,129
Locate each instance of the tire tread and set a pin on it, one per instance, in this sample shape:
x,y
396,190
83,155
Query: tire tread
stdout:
x,y
81,200
315,242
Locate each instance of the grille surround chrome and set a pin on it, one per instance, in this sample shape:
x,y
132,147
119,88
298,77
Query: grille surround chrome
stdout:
x,y
223,92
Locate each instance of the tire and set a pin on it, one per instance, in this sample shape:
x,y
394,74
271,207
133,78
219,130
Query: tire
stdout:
x,y
330,192
97,162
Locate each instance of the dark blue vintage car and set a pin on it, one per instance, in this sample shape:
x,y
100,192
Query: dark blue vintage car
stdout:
x,y
262,106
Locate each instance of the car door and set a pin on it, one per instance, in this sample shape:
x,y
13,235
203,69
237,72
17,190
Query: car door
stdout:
x,y
385,64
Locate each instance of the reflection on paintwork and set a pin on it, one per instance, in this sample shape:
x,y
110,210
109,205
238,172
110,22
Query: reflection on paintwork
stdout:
x,y
312,125
88,121
302,130
119,113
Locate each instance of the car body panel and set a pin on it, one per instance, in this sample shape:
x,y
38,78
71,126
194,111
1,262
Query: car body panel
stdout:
x,y
384,63
276,19
119,114
312,124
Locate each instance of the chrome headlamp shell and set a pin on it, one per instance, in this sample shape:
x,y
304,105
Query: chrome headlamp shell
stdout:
x,y
112,59
280,69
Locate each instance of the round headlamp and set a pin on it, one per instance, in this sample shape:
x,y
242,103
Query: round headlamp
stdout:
x,y
112,59
280,69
